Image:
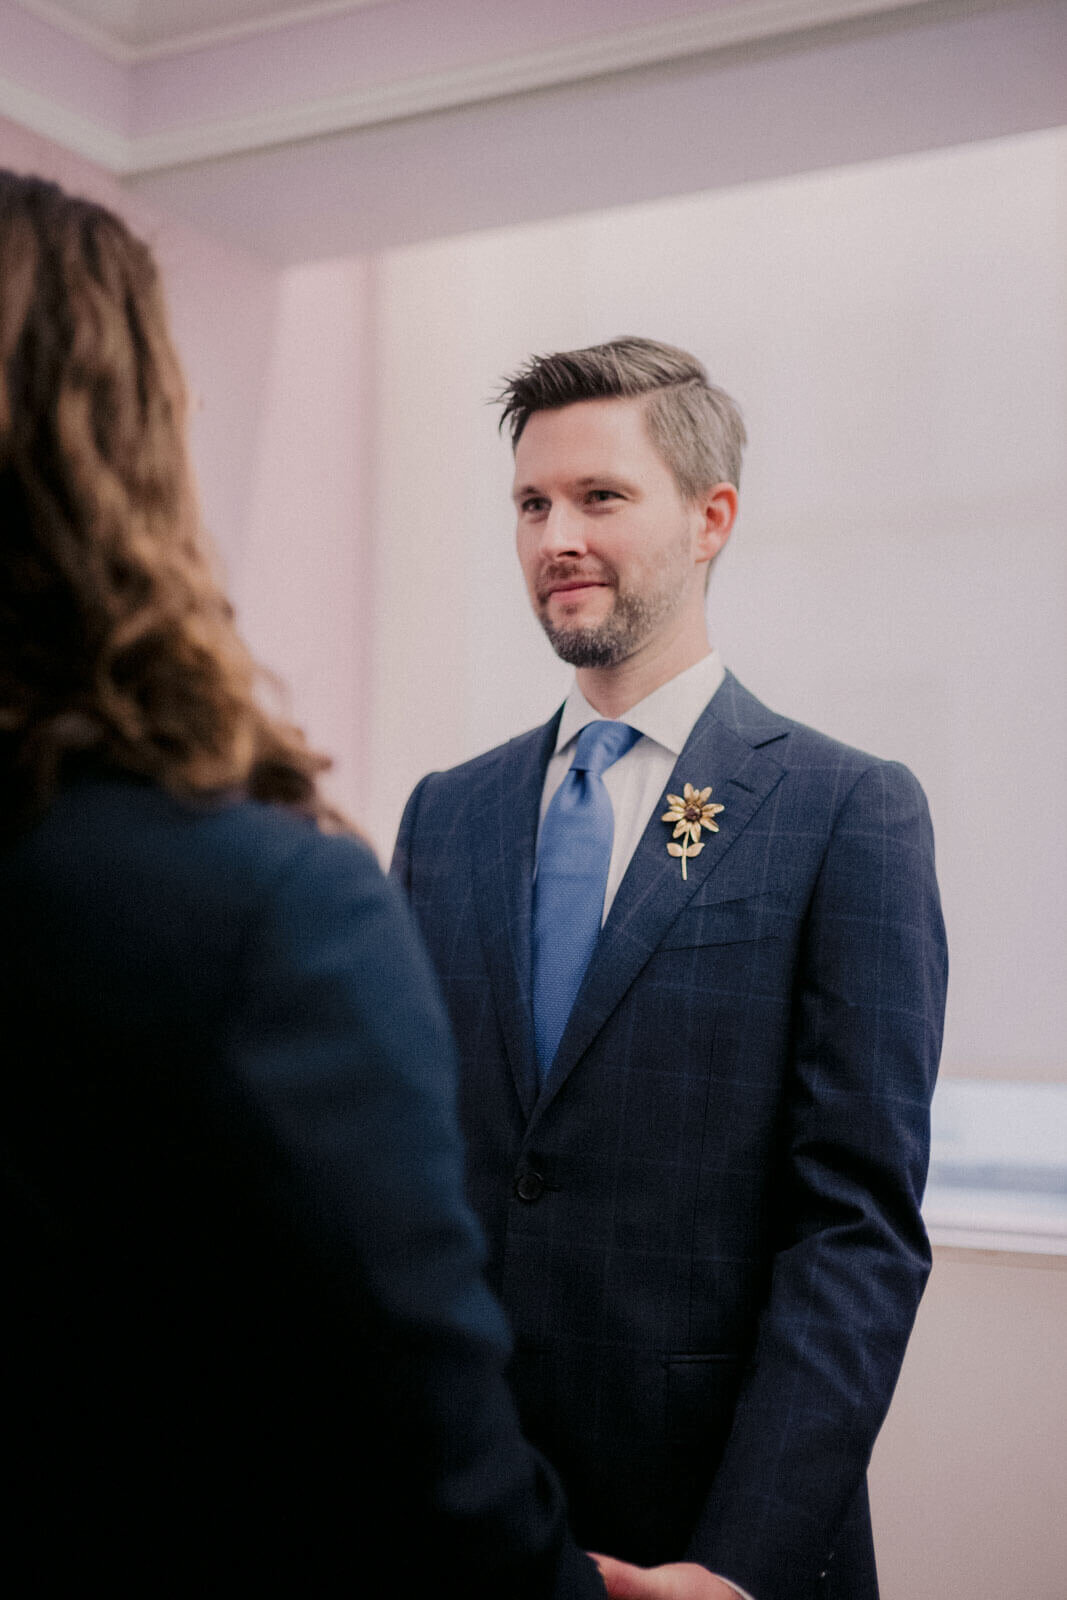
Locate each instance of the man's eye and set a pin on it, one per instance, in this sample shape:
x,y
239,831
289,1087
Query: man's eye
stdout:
x,y
534,505
600,495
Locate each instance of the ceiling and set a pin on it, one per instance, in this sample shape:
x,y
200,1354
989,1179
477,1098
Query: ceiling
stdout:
x,y
129,29
143,87
335,127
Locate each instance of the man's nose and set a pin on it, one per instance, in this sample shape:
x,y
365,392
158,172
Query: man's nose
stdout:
x,y
563,531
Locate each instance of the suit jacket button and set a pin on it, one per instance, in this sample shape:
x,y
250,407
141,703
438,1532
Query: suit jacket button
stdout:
x,y
529,1185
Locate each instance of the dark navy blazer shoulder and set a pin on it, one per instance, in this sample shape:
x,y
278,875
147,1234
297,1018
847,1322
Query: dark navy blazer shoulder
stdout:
x,y
248,1338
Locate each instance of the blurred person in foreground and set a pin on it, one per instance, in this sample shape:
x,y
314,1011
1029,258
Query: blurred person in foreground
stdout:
x,y
248,1340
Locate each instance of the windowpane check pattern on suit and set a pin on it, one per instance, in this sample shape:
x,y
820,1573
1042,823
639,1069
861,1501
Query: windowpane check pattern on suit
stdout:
x,y
712,1280
572,873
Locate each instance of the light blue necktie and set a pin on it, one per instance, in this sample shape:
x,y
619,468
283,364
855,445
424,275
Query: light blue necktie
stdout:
x,y
573,857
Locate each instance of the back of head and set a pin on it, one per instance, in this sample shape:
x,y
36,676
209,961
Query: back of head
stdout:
x,y
114,634
696,427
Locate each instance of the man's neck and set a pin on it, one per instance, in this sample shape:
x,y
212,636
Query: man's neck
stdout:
x,y
613,690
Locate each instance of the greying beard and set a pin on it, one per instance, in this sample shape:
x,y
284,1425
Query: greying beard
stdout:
x,y
607,643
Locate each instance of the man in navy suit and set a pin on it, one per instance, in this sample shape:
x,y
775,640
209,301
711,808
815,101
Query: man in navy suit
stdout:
x,y
698,1128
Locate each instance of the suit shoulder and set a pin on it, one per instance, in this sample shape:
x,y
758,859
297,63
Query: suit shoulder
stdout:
x,y
812,745
470,774
800,748
151,906
154,850
856,773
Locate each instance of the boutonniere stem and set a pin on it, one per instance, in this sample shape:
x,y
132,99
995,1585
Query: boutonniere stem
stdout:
x,y
690,812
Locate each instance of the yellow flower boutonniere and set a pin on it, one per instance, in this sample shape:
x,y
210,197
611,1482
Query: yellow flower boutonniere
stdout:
x,y
690,812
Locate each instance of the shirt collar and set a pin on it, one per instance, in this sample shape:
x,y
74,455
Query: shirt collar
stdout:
x,y
668,715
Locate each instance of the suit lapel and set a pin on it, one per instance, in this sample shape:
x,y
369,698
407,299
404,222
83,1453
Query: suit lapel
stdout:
x,y
503,866
722,752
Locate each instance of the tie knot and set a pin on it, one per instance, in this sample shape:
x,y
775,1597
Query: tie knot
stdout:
x,y
602,743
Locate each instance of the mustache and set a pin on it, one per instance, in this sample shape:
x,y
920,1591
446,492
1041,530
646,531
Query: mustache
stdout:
x,y
554,572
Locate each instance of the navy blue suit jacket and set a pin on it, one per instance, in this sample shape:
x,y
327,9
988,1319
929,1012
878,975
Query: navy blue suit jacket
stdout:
x,y
705,1226
249,1347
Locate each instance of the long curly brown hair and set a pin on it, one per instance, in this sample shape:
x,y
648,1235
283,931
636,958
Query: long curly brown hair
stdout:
x,y
115,636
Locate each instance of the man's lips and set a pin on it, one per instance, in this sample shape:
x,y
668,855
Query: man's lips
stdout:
x,y
573,586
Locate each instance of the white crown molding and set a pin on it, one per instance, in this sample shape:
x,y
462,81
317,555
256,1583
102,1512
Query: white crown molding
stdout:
x,y
42,115
473,84
510,75
127,55
226,33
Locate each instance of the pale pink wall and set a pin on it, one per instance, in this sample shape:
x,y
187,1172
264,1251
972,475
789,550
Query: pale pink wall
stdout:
x,y
23,151
274,363
302,571
223,306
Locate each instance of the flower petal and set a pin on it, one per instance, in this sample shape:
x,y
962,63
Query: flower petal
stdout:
x,y
676,800
703,795
690,793
680,828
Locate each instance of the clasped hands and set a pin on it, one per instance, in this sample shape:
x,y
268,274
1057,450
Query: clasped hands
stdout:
x,y
678,1580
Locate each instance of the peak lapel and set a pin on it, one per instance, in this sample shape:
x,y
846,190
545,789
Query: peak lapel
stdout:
x,y
653,891
503,867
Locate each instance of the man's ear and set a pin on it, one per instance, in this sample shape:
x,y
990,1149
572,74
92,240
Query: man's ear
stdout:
x,y
718,511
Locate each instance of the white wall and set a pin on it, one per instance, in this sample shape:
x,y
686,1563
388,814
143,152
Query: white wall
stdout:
x,y
299,572
969,1476
896,335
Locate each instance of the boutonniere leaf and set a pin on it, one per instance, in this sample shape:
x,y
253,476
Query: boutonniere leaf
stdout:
x,y
690,812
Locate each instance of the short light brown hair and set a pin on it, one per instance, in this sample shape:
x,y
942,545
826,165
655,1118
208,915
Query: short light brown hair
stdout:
x,y
695,426
115,637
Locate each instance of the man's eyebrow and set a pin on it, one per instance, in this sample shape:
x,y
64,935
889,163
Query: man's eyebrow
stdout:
x,y
611,479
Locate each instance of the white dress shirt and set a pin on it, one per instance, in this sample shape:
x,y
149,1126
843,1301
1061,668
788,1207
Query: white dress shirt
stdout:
x,y
637,782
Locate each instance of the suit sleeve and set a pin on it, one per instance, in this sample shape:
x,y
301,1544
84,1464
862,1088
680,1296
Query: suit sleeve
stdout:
x,y
341,1051
851,1257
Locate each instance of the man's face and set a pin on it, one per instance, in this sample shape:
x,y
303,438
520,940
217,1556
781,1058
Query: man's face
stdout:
x,y
607,544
